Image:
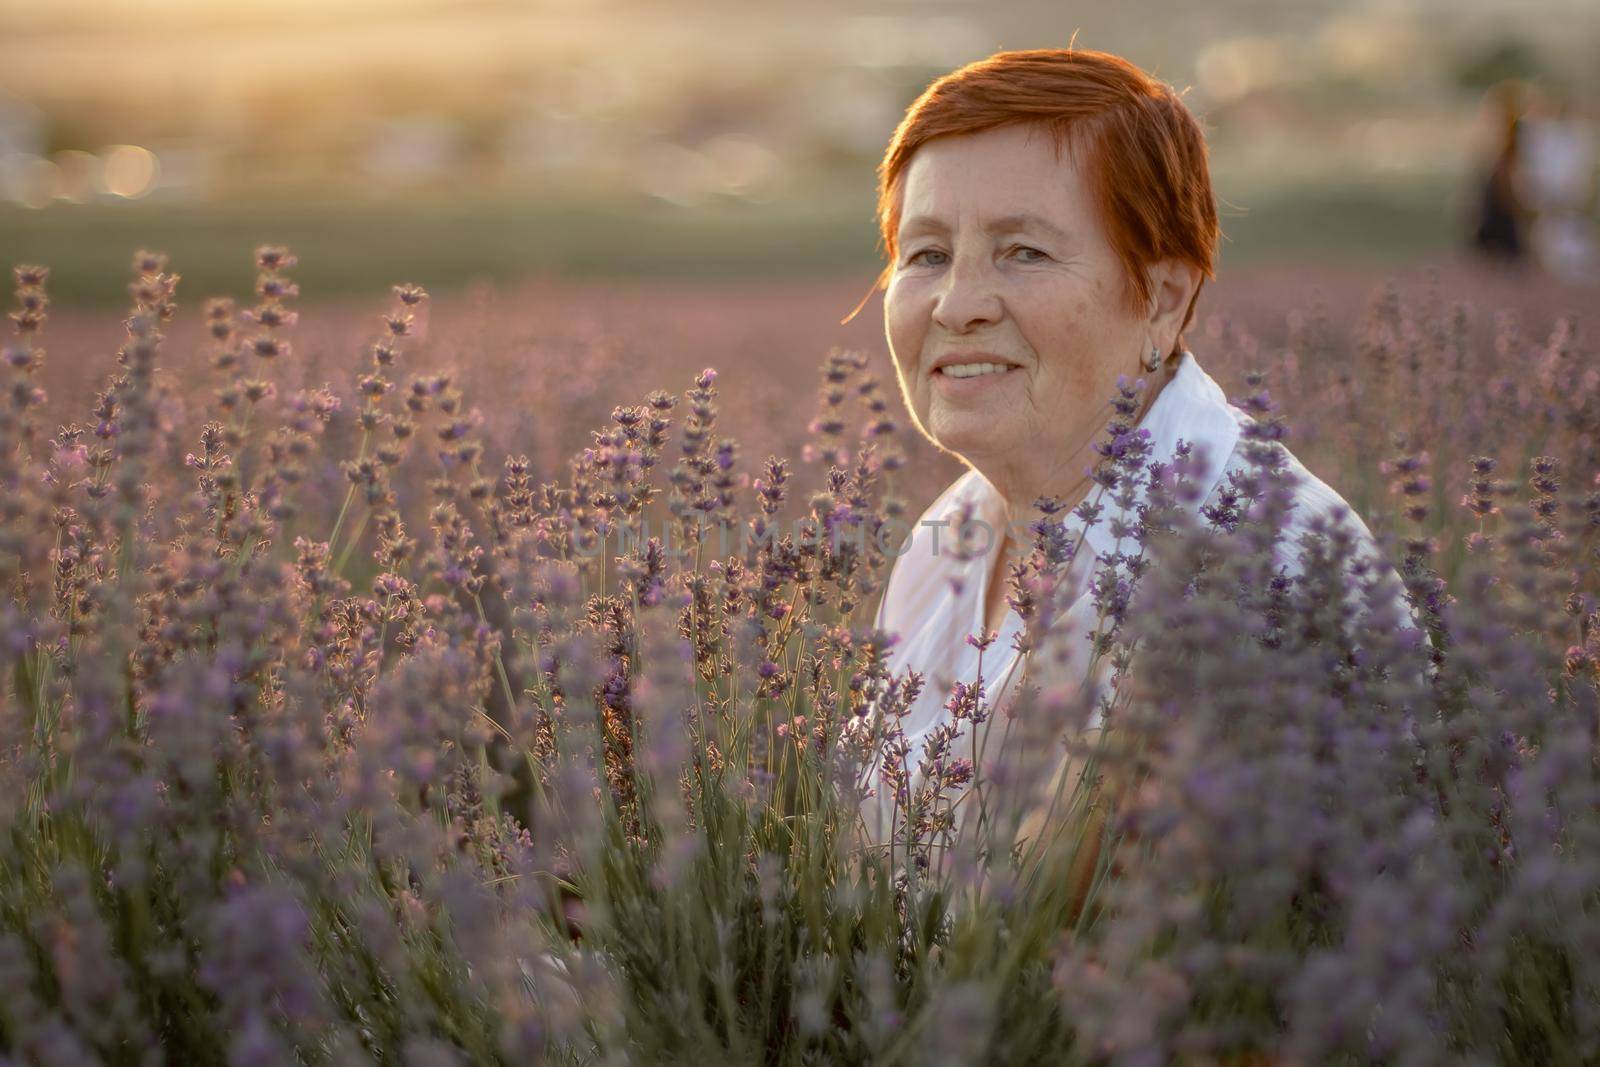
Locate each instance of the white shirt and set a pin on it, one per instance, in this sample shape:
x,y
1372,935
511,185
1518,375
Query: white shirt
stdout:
x,y
934,599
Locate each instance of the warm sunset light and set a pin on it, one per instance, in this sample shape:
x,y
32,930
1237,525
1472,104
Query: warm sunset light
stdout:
x,y
122,10
598,532
130,171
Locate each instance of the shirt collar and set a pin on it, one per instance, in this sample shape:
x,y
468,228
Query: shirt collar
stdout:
x,y
1191,407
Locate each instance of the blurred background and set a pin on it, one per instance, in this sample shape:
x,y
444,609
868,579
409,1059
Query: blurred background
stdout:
x,y
453,141
605,196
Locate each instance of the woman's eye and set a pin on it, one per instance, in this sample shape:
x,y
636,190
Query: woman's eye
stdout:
x,y
1020,250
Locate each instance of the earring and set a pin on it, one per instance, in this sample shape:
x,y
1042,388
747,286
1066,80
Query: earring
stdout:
x,y
1153,360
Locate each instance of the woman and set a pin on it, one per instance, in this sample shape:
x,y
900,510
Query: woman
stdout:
x,y
1049,222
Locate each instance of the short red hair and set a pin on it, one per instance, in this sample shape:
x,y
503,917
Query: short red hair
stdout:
x,y
1146,157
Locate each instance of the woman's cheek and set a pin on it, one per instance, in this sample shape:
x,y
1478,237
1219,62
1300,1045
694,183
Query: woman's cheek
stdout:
x,y
895,307
906,339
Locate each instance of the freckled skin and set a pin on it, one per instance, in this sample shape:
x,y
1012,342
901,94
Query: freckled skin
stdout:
x,y
1051,302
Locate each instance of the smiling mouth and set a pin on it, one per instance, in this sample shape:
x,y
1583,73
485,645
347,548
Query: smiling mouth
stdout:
x,y
963,371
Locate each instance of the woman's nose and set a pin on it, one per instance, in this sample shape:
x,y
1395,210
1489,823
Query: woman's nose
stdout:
x,y
967,296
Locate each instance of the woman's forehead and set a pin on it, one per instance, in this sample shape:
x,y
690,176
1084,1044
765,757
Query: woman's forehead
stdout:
x,y
1007,149
1011,202
1008,172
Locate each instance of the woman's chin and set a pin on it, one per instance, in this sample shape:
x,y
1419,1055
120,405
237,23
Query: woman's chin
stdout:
x,y
968,433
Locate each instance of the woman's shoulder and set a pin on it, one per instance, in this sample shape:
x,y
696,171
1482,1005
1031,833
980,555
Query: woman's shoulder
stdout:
x,y
1312,495
1316,510
1314,503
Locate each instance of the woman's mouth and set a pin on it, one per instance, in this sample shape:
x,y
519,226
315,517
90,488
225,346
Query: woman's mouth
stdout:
x,y
965,379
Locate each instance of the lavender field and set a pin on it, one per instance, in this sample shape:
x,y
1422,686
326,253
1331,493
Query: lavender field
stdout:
x,y
330,736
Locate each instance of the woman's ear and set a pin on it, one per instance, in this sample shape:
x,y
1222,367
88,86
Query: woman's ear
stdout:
x,y
1172,286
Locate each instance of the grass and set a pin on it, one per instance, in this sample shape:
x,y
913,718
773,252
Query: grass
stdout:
x,y
350,247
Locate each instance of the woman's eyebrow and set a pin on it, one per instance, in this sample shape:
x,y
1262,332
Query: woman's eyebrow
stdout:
x,y
1001,224
1025,220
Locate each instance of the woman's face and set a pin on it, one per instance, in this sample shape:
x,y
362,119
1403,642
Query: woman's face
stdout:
x,y
1003,259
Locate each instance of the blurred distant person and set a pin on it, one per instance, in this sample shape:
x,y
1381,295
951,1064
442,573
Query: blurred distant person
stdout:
x,y
1501,203
1558,154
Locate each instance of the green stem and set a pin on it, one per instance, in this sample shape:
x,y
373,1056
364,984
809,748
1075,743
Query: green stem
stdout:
x,y
350,494
355,539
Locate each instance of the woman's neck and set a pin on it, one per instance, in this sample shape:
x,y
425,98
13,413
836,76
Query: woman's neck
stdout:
x,y
1036,475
